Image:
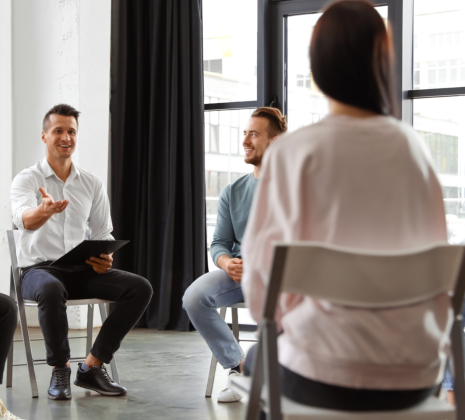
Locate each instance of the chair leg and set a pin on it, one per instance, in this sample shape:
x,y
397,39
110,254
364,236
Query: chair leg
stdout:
x,y
9,367
211,377
253,407
212,371
27,346
90,326
458,367
235,323
114,368
271,370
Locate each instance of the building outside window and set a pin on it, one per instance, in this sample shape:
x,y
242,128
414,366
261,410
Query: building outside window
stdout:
x,y
439,62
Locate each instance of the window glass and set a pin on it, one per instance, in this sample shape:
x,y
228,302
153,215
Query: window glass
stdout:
x,y
440,123
224,159
439,44
230,50
305,104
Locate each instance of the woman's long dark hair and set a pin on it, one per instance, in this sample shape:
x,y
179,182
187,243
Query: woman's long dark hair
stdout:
x,y
351,57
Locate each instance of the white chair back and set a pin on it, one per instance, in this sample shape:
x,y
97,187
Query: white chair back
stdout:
x,y
359,278
366,278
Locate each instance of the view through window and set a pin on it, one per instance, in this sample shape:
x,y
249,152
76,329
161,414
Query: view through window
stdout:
x,y
230,50
230,75
439,62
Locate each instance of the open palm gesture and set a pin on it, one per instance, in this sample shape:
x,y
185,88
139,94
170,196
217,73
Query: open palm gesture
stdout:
x,y
49,205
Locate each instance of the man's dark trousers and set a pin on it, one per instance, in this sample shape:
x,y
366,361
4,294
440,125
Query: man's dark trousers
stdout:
x,y
52,286
8,323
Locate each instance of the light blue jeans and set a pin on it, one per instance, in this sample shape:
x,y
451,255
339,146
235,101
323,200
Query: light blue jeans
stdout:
x,y
448,383
201,300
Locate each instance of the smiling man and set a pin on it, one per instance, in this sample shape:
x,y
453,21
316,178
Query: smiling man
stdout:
x,y
223,287
54,203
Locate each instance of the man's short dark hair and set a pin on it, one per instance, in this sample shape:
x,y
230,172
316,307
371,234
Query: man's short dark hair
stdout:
x,y
276,121
60,109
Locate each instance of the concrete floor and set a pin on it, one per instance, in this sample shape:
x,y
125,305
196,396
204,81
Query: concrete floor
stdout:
x,y
165,374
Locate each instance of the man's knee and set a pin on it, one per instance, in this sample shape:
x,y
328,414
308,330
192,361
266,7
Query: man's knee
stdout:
x,y
8,308
194,297
142,288
51,292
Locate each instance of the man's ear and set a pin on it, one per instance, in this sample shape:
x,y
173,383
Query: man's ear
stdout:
x,y
273,139
43,138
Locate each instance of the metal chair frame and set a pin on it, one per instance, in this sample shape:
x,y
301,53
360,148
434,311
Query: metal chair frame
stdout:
x,y
235,329
264,388
15,294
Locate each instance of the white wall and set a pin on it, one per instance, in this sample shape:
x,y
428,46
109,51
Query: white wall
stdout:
x,y
6,136
61,53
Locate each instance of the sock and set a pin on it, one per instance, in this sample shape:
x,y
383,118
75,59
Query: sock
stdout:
x,y
61,366
237,369
85,367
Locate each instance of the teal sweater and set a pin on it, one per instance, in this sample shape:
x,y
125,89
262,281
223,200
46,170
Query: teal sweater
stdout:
x,y
233,212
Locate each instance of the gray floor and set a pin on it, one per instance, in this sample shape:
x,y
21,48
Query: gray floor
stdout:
x,y
165,374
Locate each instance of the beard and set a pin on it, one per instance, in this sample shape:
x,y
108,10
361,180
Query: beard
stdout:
x,y
255,161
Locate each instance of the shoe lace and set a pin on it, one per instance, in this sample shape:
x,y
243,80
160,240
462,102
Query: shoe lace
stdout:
x,y
104,374
62,376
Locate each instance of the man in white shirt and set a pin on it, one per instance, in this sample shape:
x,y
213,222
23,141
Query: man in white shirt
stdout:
x,y
54,203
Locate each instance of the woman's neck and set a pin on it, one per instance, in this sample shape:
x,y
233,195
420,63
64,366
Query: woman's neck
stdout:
x,y
339,108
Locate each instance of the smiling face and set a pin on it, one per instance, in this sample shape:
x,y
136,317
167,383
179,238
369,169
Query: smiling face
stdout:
x,y
256,140
60,137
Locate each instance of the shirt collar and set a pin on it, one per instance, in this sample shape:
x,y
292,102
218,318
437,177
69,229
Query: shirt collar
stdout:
x,y
48,171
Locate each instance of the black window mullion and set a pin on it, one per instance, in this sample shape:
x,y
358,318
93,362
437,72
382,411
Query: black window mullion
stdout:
x,y
230,106
435,93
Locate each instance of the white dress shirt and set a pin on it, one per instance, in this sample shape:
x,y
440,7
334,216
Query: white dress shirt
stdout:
x,y
361,183
88,208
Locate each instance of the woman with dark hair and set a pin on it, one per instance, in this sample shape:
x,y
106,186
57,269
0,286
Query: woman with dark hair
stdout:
x,y
361,179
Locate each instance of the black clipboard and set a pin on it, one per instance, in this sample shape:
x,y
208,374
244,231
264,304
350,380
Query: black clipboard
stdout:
x,y
86,249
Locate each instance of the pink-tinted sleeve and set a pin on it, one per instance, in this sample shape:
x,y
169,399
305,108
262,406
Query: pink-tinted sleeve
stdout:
x,y
272,217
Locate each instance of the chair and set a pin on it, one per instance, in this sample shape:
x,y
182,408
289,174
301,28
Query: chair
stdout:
x,y
235,329
15,293
354,278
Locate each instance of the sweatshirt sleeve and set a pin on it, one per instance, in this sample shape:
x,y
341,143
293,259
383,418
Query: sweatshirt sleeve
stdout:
x,y
223,238
274,216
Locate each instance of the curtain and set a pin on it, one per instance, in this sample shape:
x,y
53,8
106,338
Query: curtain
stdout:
x,y
157,150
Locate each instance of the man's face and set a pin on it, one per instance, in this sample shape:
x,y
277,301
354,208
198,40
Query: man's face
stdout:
x,y
61,136
256,140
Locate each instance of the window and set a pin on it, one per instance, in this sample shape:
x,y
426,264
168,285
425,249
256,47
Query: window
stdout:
x,y
213,66
444,151
230,50
438,117
231,66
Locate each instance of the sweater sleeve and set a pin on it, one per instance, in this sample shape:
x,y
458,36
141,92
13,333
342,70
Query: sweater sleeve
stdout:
x,y
274,216
223,238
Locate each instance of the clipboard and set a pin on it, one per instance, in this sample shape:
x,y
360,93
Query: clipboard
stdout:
x,y
86,249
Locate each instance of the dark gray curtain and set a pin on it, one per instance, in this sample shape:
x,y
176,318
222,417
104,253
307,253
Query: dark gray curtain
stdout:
x,y
157,150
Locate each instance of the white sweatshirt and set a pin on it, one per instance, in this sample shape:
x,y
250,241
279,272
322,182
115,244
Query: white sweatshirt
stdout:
x,y
362,183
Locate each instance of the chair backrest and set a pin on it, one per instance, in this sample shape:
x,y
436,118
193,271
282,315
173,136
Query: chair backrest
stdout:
x,y
353,277
365,278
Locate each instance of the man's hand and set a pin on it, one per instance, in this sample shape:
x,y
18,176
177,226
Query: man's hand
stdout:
x,y
101,265
49,206
36,217
233,267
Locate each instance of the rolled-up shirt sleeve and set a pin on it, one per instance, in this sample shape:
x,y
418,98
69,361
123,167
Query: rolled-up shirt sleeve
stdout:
x,y
23,197
99,221
223,238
